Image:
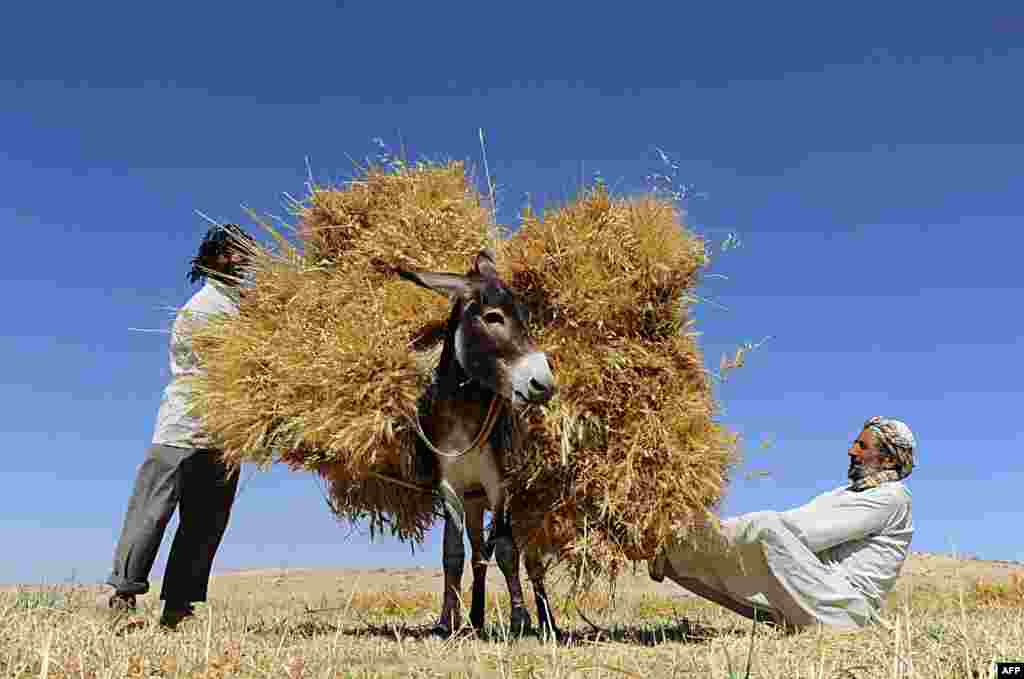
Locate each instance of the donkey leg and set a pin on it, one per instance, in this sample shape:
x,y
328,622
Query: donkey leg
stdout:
x,y
535,570
452,561
475,528
506,553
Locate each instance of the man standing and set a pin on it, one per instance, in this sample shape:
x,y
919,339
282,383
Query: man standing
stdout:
x,y
180,469
831,561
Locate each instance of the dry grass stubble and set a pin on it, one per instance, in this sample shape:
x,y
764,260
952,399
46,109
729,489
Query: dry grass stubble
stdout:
x,y
372,624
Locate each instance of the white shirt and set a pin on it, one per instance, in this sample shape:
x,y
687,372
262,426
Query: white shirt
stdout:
x,y
864,535
175,425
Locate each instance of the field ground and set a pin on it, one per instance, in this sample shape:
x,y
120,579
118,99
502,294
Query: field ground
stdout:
x,y
373,623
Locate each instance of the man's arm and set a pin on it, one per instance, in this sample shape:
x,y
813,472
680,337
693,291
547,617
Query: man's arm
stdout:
x,y
840,518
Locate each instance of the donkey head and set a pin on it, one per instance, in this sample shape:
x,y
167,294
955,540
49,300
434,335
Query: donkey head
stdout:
x,y
488,333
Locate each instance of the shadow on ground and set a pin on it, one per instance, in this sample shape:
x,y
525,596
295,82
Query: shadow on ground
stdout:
x,y
682,631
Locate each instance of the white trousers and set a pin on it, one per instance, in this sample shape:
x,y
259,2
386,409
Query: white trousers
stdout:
x,y
755,560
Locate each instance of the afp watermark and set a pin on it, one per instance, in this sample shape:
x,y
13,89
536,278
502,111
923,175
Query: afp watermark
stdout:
x,y
1010,669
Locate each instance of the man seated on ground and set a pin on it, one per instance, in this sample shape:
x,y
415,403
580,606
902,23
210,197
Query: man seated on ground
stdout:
x,y
831,561
180,470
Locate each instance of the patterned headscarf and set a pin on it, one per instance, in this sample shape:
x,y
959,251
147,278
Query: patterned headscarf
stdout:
x,y
893,438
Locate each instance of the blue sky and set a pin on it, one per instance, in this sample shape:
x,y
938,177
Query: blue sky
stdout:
x,y
867,157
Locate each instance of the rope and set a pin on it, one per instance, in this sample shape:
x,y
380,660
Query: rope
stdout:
x,y
451,499
477,493
492,417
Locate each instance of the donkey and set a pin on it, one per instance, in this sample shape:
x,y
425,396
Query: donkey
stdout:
x,y
489,368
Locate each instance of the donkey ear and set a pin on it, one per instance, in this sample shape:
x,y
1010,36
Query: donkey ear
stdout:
x,y
450,284
484,264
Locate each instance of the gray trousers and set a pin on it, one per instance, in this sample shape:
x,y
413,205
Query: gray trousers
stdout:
x,y
197,484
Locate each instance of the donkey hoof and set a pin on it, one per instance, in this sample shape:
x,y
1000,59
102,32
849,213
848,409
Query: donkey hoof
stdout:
x,y
519,622
442,630
477,622
445,628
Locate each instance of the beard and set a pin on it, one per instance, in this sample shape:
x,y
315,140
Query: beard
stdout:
x,y
859,470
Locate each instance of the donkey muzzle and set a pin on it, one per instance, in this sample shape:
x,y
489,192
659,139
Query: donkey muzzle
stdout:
x,y
532,380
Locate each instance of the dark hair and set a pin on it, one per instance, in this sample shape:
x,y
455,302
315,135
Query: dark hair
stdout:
x,y
219,240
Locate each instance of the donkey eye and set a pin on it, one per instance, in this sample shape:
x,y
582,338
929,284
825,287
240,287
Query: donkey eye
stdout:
x,y
494,318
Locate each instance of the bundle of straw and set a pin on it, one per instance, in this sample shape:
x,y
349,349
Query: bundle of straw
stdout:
x,y
628,455
331,351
